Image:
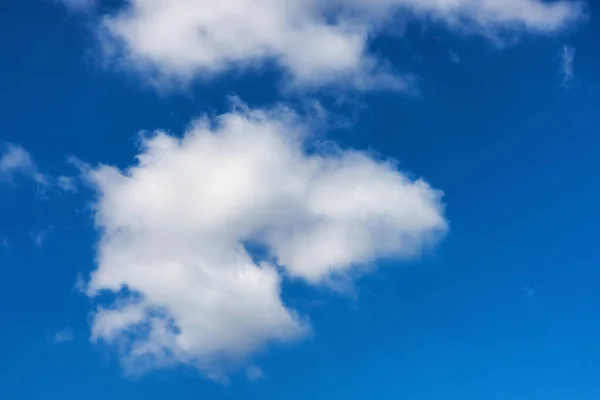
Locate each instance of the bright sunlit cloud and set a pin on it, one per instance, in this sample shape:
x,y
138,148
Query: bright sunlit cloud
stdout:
x,y
175,226
316,43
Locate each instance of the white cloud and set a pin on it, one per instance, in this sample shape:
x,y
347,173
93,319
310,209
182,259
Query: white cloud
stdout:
x,y
16,160
490,15
175,225
567,55
315,42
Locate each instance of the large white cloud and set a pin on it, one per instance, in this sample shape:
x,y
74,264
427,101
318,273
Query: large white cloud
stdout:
x,y
175,229
316,42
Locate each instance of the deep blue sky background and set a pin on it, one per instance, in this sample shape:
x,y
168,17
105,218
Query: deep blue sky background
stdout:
x,y
505,308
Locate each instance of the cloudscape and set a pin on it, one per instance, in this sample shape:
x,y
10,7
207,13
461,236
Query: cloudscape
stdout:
x,y
275,199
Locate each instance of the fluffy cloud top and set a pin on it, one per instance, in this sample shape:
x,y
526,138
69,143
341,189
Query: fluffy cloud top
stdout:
x,y
316,42
175,229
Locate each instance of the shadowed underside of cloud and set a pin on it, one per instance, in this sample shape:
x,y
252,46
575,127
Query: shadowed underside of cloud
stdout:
x,y
315,42
174,228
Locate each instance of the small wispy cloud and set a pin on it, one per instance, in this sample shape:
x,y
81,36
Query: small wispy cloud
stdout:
x,y
566,56
67,184
39,236
14,160
255,373
62,336
454,57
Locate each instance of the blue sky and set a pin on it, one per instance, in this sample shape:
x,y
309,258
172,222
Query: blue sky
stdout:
x,y
450,255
